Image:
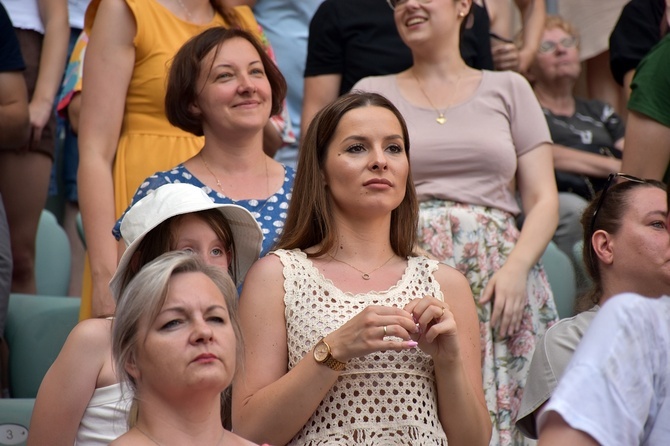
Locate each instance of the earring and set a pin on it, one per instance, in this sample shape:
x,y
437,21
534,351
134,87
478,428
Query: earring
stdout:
x,y
461,14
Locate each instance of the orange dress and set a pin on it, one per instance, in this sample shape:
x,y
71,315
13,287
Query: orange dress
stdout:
x,y
148,142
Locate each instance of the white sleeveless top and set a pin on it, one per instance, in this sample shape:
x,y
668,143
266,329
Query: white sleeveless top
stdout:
x,y
24,14
384,398
105,418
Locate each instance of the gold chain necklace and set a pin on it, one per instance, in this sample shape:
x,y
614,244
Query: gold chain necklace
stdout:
x,y
365,276
218,183
441,119
158,444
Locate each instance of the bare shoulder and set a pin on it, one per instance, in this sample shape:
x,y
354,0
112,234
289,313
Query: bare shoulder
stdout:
x,y
455,287
116,15
90,336
266,274
450,279
94,332
269,267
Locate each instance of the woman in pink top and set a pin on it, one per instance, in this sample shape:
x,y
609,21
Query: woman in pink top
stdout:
x,y
478,138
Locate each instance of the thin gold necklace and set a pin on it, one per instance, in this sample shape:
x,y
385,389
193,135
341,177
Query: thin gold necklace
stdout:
x,y
365,276
157,443
441,119
218,183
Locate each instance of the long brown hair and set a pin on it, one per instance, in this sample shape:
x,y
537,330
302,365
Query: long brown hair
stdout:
x,y
310,216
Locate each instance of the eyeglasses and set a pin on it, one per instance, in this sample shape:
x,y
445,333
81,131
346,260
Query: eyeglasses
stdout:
x,y
549,46
397,4
611,180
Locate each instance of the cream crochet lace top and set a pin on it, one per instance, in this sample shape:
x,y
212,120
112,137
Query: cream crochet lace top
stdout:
x,y
382,399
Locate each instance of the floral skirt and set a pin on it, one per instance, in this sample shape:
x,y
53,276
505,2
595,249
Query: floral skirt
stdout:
x,y
477,240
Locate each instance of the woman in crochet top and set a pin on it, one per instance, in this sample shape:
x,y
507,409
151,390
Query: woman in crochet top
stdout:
x,y
365,341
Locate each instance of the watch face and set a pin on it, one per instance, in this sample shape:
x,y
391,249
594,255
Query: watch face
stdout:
x,y
320,352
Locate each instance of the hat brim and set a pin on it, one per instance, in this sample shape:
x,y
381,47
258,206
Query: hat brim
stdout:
x,y
246,231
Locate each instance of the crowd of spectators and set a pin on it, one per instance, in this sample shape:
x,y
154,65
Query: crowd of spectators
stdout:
x,y
396,296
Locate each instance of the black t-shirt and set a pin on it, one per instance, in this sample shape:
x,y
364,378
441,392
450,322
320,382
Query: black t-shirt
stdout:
x,y
475,40
10,52
594,128
358,38
638,29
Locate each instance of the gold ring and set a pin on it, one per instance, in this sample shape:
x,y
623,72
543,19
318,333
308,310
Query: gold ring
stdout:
x,y
385,333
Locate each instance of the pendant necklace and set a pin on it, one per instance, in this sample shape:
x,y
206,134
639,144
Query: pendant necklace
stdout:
x,y
365,276
441,119
218,183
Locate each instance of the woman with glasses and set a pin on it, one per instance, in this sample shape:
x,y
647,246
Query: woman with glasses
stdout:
x,y
626,249
478,137
588,135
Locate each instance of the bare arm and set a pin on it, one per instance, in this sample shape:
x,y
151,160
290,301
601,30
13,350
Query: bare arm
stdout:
x,y
462,408
14,115
584,163
506,55
69,384
556,432
539,197
647,152
103,102
266,388
52,63
533,15
319,92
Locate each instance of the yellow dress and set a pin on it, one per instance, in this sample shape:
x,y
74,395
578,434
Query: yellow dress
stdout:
x,y
148,142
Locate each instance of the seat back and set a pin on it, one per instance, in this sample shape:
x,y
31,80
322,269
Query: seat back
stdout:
x,y
561,276
37,327
15,416
52,257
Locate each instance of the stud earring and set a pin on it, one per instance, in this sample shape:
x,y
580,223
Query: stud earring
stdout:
x,y
461,14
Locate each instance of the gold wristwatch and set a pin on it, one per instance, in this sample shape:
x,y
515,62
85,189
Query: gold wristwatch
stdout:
x,y
322,356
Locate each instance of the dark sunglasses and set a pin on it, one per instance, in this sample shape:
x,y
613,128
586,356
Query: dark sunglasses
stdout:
x,y
612,179
549,47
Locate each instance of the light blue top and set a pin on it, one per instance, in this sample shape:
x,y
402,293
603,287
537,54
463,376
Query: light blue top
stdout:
x,y
286,24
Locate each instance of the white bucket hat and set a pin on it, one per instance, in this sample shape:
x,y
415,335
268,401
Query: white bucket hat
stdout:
x,y
174,199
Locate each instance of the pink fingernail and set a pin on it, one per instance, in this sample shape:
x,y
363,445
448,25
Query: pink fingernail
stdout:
x,y
411,344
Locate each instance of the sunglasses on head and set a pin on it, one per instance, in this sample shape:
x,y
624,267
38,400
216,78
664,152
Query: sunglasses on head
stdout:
x,y
612,179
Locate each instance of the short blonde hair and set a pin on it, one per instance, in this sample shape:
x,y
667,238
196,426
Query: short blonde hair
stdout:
x,y
556,21
145,295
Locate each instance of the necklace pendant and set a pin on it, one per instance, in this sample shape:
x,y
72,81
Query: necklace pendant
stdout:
x,y
366,276
441,119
